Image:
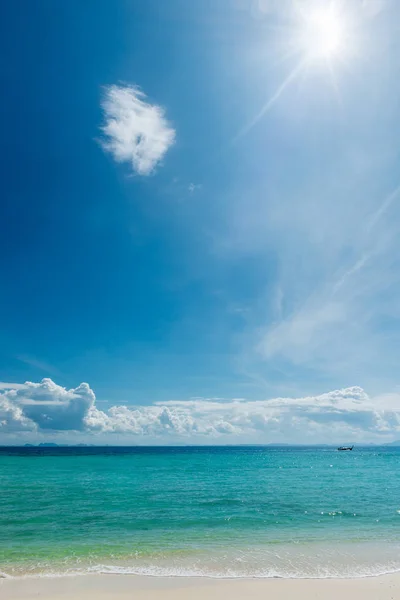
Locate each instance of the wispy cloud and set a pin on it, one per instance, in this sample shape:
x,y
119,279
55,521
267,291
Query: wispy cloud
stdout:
x,y
194,187
328,310
336,328
347,414
135,131
36,363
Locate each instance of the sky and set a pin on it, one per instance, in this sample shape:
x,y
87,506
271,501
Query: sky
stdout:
x,y
200,217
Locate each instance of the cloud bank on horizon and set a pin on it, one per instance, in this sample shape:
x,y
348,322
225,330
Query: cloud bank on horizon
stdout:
x,y
135,131
349,414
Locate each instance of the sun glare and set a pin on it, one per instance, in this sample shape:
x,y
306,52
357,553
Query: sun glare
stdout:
x,y
323,34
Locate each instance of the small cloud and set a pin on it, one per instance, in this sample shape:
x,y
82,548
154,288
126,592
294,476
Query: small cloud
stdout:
x,y
238,310
135,131
193,187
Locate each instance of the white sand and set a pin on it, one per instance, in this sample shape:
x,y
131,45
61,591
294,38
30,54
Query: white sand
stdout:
x,y
117,587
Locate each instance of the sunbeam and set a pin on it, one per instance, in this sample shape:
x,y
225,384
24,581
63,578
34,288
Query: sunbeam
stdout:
x,y
270,102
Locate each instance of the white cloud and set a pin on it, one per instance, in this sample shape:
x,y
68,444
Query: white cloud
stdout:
x,y
336,324
348,414
135,131
298,337
44,406
193,187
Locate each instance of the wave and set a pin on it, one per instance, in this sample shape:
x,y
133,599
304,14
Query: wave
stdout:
x,y
154,571
302,562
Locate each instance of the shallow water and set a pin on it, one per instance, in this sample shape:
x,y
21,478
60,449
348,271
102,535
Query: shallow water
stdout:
x,y
222,512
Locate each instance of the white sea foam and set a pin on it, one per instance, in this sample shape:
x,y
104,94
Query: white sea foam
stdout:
x,y
156,571
291,562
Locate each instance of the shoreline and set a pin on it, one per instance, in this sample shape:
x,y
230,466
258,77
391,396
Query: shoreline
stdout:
x,y
92,587
294,562
29,576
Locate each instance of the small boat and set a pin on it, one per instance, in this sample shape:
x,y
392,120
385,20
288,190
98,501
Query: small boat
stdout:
x,y
341,448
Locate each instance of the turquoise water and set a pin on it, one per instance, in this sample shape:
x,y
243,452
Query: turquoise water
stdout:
x,y
223,512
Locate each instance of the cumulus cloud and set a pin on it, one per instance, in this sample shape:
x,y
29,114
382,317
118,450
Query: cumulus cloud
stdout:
x,y
44,406
348,414
135,131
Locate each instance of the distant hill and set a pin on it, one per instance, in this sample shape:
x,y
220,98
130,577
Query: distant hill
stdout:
x,y
54,445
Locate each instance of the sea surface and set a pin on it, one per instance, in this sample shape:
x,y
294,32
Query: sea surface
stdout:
x,y
216,512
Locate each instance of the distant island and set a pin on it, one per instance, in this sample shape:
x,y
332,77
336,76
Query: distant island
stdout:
x,y
54,445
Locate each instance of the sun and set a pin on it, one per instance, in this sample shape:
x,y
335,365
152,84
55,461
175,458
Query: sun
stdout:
x,y
323,34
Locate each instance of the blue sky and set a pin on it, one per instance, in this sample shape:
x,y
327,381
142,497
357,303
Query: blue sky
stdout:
x,y
201,199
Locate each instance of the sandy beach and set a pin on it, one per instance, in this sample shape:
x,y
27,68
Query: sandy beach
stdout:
x,y
118,587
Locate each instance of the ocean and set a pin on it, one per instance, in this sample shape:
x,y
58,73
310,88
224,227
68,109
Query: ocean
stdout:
x,y
204,511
